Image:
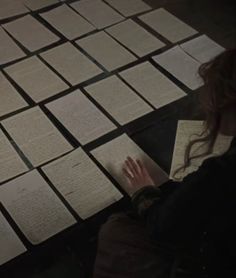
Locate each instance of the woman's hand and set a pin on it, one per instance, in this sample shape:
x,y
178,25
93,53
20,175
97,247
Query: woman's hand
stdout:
x,y
137,175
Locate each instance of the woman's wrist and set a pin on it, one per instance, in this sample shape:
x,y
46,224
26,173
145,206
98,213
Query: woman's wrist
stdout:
x,y
144,198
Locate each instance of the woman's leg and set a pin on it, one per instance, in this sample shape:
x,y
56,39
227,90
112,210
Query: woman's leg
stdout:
x,y
126,251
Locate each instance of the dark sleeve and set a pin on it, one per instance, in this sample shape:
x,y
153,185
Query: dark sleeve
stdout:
x,y
183,215
168,188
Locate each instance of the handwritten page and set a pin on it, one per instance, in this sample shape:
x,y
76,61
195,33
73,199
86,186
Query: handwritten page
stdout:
x,y
38,4
34,207
11,246
11,164
81,117
113,154
36,136
152,84
129,8
141,42
186,132
68,22
81,183
202,48
9,50
106,51
97,12
30,33
36,79
121,102
168,25
180,65
72,64
10,98
10,8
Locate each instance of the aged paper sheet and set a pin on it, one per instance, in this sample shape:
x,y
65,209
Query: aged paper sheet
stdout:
x,y
97,12
11,164
38,4
9,50
202,48
81,183
10,8
106,51
40,36
121,102
168,25
130,7
11,246
113,154
11,100
81,117
68,22
36,136
35,208
141,42
73,65
180,65
36,79
152,84
187,131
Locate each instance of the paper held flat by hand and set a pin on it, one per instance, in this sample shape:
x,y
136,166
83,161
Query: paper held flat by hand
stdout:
x,y
113,154
9,50
68,22
36,79
121,102
72,64
130,7
180,65
187,131
152,84
10,8
36,136
11,100
35,208
106,51
81,183
97,12
11,246
38,4
202,48
11,164
30,33
81,117
168,25
141,42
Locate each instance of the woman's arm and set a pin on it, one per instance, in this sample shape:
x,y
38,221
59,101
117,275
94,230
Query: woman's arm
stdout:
x,y
182,216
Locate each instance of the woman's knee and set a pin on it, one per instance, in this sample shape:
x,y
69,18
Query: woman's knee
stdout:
x,y
114,225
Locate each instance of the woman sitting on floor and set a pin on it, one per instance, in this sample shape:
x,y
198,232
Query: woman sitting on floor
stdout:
x,y
182,229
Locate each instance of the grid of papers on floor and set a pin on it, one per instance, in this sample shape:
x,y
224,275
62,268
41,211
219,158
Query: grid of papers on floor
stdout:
x,y
74,70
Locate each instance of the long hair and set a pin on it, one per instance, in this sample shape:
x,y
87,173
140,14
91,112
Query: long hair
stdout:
x,y
219,76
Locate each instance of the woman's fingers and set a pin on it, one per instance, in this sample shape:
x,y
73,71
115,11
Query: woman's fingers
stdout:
x,y
133,166
141,166
136,174
127,174
130,179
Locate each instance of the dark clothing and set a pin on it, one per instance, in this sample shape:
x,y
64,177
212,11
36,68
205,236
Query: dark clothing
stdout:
x,y
125,250
195,218
198,214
